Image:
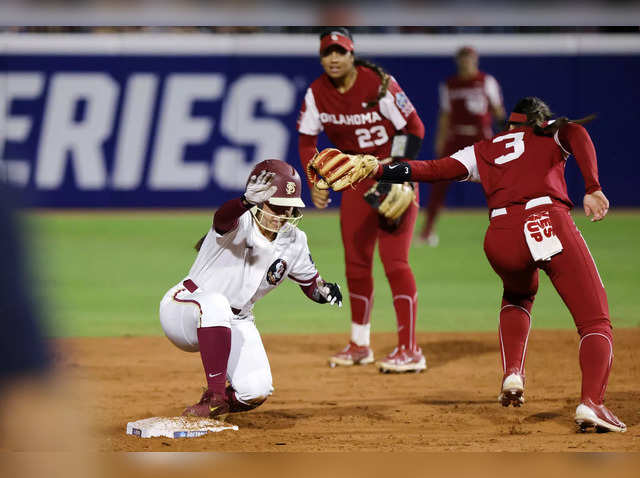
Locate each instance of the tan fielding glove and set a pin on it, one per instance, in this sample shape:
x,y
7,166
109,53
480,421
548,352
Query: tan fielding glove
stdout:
x,y
391,200
331,168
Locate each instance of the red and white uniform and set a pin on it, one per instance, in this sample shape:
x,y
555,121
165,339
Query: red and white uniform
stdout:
x,y
523,179
346,120
468,103
355,128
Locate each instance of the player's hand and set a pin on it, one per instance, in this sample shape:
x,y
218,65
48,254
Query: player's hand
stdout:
x,y
259,189
597,204
330,292
320,197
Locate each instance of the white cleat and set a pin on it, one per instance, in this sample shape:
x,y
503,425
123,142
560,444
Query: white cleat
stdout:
x,y
590,415
512,391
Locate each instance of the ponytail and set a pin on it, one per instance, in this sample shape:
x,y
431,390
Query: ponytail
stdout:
x,y
552,129
538,114
384,79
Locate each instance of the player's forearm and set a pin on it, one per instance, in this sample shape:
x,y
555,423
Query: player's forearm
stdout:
x,y
310,289
306,148
226,218
581,146
445,169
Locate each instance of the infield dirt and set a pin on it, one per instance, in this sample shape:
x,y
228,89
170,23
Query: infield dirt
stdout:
x,y
450,407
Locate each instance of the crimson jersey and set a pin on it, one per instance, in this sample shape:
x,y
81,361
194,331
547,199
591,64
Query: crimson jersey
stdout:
x,y
518,165
345,118
467,102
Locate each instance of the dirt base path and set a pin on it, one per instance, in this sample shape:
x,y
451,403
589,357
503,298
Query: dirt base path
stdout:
x,y
450,407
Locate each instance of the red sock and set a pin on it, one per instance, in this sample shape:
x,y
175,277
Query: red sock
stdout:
x,y
405,302
515,324
361,299
596,356
215,345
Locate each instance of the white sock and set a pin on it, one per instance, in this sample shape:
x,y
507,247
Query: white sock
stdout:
x,y
361,334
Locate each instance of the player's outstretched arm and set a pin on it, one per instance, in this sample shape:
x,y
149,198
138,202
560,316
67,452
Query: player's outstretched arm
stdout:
x,y
445,169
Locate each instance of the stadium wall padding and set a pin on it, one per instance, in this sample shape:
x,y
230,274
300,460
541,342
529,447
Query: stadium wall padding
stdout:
x,y
163,127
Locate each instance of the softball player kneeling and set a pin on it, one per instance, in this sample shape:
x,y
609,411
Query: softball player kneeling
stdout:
x,y
252,246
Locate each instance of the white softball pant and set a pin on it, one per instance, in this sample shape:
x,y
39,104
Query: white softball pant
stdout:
x,y
182,312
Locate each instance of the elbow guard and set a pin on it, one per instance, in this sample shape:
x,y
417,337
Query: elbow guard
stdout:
x,y
406,146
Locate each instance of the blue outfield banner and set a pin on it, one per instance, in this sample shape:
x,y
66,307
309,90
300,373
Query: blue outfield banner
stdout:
x,y
158,127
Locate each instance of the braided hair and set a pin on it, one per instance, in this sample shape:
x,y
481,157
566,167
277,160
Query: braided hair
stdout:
x,y
384,76
538,114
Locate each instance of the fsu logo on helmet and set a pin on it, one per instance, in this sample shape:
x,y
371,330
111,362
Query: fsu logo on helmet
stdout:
x,y
276,271
291,187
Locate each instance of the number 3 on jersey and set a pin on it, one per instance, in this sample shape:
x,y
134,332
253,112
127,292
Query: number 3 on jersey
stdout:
x,y
367,138
517,145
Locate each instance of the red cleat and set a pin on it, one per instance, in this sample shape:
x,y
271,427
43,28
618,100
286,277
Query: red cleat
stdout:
x,y
402,360
352,354
209,406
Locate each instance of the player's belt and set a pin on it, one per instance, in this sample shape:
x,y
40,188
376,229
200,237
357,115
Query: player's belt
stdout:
x,y
530,204
192,287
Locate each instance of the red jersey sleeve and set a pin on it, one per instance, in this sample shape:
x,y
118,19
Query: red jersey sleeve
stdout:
x,y
574,139
306,149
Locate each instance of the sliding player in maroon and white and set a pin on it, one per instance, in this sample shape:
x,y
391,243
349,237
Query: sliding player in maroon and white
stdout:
x,y
522,174
252,246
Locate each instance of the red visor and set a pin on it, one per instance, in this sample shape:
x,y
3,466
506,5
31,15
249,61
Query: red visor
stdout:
x,y
335,38
517,118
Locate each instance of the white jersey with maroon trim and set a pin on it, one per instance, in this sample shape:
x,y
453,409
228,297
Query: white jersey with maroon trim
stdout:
x,y
243,265
345,118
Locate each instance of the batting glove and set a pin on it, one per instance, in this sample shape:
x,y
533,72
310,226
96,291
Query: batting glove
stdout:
x,y
330,292
259,189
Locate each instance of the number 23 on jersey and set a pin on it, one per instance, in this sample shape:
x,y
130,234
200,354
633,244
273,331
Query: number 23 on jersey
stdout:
x,y
367,138
514,142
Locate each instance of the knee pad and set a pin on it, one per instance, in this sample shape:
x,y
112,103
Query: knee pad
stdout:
x,y
216,310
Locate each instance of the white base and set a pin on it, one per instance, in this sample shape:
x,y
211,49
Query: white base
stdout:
x,y
176,427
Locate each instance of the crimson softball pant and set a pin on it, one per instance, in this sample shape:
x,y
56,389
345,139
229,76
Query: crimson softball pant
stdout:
x,y
361,228
574,275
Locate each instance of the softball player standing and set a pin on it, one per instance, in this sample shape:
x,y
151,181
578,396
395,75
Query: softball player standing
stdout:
x,y
252,246
522,174
362,109
469,102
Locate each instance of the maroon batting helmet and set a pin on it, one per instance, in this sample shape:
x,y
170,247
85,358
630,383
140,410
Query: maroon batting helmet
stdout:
x,y
286,179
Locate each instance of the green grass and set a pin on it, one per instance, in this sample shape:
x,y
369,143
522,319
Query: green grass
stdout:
x,y
103,274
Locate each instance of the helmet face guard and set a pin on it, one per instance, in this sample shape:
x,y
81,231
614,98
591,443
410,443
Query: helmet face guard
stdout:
x,y
275,222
